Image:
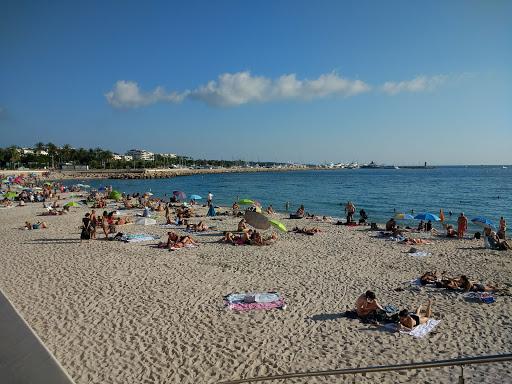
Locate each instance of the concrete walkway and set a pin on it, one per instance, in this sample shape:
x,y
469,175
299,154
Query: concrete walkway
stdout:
x,y
23,357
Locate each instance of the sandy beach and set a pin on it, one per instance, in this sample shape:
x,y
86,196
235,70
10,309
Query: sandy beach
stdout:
x,y
114,312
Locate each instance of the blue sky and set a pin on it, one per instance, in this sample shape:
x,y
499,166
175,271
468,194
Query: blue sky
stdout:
x,y
395,82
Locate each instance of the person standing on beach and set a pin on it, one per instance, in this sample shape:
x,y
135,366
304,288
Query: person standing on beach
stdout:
x,y
287,206
210,198
350,209
503,228
462,225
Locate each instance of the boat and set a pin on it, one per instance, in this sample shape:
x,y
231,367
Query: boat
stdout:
x,y
504,167
371,164
396,167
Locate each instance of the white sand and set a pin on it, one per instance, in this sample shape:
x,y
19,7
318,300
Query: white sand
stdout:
x,y
113,312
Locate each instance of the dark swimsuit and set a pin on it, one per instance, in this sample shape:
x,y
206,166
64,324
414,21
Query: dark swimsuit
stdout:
x,y
416,319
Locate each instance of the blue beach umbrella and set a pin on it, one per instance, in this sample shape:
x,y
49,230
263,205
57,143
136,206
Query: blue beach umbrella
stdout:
x,y
427,216
195,197
483,221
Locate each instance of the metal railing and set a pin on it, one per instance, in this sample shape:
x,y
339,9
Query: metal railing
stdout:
x,y
384,368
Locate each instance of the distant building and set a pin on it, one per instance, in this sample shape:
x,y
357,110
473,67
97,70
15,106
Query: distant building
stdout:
x,y
27,151
140,154
115,156
169,155
127,158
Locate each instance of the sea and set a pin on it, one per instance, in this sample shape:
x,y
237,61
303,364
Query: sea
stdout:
x,y
474,190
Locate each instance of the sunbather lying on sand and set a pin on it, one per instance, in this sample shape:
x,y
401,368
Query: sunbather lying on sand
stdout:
x,y
429,278
175,241
306,231
242,239
413,241
469,286
38,225
411,320
199,227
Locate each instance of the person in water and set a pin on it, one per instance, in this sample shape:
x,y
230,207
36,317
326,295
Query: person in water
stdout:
x,y
411,320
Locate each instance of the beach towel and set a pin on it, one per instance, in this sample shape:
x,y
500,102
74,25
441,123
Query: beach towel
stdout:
x,y
137,237
484,297
186,246
420,254
254,300
423,329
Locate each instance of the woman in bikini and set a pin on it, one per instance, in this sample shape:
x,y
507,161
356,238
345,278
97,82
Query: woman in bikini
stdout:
x,y
411,320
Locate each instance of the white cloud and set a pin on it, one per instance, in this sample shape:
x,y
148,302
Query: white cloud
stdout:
x,y
127,94
418,84
233,89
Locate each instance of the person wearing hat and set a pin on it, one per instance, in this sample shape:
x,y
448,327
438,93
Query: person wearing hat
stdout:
x,y
462,225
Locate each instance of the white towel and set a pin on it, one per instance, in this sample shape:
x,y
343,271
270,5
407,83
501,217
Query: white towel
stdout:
x,y
420,254
423,329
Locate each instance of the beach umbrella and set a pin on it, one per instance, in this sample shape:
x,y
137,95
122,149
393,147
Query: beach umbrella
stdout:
x,y
246,202
483,222
404,216
145,221
115,195
101,189
47,183
427,216
257,220
195,197
10,195
278,225
180,195
72,204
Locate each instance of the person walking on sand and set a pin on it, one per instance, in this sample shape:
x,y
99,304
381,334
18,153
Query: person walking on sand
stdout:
x,y
210,198
462,225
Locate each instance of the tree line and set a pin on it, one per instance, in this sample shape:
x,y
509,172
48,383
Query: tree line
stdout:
x,y
50,156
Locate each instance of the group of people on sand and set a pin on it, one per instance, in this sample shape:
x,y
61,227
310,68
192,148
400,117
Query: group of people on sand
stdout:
x,y
174,241
248,237
461,283
107,222
368,309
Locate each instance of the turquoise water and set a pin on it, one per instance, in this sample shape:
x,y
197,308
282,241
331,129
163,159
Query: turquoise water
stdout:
x,y
474,190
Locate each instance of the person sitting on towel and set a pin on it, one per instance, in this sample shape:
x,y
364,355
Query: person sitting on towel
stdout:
x,y
411,320
367,305
390,224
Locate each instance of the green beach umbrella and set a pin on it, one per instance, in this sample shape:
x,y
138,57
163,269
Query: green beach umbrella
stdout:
x,y
115,195
47,183
72,204
10,195
246,202
278,225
